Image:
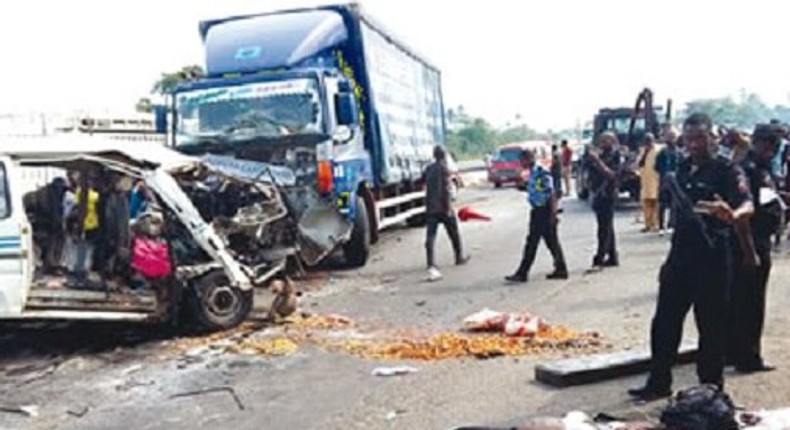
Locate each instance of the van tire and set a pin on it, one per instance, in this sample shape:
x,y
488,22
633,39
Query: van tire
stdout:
x,y
214,304
357,249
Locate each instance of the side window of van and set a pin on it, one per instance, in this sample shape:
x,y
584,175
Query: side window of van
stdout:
x,y
5,203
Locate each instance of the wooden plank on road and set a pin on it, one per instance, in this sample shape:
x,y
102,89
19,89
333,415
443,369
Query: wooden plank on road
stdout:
x,y
601,367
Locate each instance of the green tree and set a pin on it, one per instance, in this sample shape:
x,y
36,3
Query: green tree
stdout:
x,y
144,105
744,113
168,81
472,139
518,133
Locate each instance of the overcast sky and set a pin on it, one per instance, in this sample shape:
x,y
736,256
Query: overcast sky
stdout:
x,y
554,62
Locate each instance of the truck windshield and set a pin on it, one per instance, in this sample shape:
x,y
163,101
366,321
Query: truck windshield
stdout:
x,y
507,155
266,110
620,125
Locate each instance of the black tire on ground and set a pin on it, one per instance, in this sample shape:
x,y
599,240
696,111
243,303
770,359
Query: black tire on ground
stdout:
x,y
357,249
215,305
497,185
416,221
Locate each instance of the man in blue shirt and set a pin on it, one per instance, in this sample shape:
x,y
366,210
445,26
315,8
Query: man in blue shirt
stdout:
x,y
542,221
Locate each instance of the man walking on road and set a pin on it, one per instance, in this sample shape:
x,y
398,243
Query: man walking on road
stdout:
x,y
439,210
712,194
542,221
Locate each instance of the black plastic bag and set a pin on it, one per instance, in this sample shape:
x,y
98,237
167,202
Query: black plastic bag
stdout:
x,y
705,407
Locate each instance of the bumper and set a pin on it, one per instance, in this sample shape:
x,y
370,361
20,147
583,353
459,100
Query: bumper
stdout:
x,y
504,178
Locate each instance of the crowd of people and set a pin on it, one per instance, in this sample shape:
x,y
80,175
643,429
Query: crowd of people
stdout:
x,y
81,224
722,194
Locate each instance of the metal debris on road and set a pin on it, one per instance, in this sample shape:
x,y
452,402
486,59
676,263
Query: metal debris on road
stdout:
x,y
394,371
78,413
132,369
28,410
226,389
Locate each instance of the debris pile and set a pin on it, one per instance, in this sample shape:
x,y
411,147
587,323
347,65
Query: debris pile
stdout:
x,y
459,345
269,347
338,333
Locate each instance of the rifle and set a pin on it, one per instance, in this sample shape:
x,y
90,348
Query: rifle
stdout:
x,y
684,210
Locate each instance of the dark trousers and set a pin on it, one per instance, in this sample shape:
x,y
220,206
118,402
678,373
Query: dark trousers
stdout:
x,y
51,245
747,310
700,279
450,223
607,249
541,227
665,204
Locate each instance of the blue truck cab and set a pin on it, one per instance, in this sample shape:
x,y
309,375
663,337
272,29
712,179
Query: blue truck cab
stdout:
x,y
341,114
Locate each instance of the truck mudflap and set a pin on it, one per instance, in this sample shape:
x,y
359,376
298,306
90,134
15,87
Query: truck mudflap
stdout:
x,y
321,229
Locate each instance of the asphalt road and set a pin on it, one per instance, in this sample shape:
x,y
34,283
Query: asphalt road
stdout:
x,y
89,377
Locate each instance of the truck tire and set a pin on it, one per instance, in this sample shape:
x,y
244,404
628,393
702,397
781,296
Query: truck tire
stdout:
x,y
497,185
357,249
416,221
214,304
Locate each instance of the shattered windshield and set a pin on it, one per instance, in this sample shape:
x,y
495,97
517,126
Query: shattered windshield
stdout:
x,y
256,110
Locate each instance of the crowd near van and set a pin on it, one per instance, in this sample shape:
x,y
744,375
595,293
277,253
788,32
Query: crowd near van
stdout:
x,y
94,230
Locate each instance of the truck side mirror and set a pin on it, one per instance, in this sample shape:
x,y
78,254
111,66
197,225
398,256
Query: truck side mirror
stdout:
x,y
346,108
160,118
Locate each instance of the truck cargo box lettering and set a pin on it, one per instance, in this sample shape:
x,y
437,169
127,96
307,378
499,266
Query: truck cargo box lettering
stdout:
x,y
331,96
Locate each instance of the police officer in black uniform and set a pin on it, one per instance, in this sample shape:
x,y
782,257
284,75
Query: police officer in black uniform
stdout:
x,y
605,165
697,269
747,305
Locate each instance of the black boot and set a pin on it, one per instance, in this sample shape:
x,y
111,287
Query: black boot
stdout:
x,y
558,274
517,278
649,393
462,260
597,261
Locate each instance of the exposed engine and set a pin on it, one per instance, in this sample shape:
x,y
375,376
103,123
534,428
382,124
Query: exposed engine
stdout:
x,y
250,216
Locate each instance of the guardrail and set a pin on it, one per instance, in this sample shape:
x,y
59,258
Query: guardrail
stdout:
x,y
471,166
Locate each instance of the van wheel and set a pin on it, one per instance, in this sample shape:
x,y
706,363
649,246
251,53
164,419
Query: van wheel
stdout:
x,y
357,249
217,305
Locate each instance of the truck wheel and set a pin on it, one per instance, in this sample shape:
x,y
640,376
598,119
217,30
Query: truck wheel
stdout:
x,y
217,305
358,247
497,185
416,221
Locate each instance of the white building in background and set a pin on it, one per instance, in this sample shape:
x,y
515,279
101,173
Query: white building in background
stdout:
x,y
126,129
134,127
